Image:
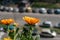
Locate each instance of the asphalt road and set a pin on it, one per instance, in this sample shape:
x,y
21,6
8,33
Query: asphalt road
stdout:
x,y
18,17
55,38
50,38
43,17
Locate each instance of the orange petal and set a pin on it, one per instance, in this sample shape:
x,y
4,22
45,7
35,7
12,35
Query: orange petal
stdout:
x,y
31,20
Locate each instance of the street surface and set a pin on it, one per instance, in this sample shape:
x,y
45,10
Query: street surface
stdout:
x,y
43,17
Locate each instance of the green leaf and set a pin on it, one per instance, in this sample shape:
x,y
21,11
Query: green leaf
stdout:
x,y
37,37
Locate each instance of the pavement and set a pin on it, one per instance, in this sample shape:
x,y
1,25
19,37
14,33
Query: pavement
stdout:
x,y
55,38
43,17
18,17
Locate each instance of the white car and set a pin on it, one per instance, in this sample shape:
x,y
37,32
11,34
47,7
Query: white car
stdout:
x,y
48,33
43,10
1,8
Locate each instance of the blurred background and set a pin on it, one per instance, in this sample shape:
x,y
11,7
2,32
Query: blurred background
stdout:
x,y
33,3
48,11
34,6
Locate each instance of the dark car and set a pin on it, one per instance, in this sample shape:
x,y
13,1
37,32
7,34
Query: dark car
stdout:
x,y
34,32
46,24
50,11
21,9
57,11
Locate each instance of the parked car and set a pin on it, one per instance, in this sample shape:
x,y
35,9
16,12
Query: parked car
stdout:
x,y
2,8
28,9
57,25
43,10
35,10
15,10
57,11
6,9
46,24
10,9
21,9
48,33
50,11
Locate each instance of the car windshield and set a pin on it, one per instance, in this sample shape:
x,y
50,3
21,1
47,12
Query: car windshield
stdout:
x,y
45,32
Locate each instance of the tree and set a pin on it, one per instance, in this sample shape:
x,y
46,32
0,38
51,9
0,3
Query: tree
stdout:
x,y
33,1
57,1
1,1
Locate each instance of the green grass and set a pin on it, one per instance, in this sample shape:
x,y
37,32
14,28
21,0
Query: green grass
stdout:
x,y
57,30
46,5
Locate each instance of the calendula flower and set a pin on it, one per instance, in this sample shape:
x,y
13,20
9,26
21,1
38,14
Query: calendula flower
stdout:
x,y
7,21
7,38
10,21
31,20
4,21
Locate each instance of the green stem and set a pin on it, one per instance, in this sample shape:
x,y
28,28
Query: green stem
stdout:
x,y
30,33
8,31
14,33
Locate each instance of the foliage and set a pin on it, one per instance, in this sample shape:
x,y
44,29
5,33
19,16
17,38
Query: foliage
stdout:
x,y
13,31
38,5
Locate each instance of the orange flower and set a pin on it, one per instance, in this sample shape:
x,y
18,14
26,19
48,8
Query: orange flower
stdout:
x,y
7,38
4,21
7,21
31,20
10,21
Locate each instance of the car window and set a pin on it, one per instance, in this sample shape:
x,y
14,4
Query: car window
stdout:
x,y
59,24
46,26
45,32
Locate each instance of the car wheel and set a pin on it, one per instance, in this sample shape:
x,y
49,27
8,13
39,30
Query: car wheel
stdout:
x,y
52,37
